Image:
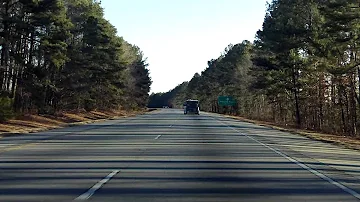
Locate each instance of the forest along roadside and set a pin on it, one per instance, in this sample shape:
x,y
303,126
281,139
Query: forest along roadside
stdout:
x,y
36,123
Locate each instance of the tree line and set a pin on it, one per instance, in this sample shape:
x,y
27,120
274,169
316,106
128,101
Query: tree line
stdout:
x,y
302,69
64,55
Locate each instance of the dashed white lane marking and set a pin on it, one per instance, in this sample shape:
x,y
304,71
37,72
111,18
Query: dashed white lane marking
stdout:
x,y
97,186
157,137
315,172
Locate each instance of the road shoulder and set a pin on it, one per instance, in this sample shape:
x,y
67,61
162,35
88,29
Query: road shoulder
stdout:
x,y
339,140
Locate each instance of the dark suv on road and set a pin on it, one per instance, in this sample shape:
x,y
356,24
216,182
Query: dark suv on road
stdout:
x,y
191,106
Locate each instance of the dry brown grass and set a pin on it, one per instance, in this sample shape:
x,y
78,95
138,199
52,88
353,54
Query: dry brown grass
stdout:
x,y
8,128
75,117
44,119
29,124
35,123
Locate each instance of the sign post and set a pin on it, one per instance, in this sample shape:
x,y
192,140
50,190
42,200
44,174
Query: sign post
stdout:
x,y
226,101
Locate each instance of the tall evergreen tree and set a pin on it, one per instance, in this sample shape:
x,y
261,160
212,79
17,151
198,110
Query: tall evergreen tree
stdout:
x,y
63,55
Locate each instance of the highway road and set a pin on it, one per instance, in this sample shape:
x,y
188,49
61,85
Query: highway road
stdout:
x,y
165,155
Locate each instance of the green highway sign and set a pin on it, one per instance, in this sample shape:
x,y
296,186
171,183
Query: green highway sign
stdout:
x,y
226,101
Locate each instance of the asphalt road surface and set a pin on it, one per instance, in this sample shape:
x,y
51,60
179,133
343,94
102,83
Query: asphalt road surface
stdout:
x,y
168,156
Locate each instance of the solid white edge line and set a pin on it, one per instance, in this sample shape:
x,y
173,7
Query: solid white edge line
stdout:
x,y
315,172
157,137
97,186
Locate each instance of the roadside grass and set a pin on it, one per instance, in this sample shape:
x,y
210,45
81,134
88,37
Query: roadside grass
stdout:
x,y
36,123
340,140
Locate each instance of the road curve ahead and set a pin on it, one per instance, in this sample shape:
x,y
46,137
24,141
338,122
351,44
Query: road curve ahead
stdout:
x,y
168,156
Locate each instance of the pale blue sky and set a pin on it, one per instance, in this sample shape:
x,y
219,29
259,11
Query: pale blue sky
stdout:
x,y
179,36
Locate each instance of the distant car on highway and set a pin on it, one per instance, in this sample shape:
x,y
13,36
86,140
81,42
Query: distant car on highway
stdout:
x,y
191,106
